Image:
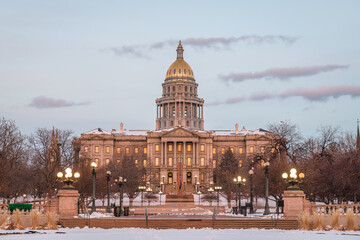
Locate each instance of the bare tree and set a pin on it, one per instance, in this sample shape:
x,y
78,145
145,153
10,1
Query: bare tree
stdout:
x,y
12,160
42,162
286,138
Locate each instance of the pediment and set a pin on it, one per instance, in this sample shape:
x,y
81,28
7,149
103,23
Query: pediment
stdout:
x,y
180,132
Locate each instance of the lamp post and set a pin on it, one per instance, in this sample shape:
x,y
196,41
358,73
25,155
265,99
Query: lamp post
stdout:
x,y
197,184
93,207
251,172
69,178
120,182
148,190
239,181
199,194
217,189
293,180
160,193
266,166
162,187
142,189
211,190
108,175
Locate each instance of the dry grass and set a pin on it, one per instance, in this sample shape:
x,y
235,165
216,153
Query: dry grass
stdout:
x,y
19,225
318,221
305,221
350,220
335,220
35,219
51,219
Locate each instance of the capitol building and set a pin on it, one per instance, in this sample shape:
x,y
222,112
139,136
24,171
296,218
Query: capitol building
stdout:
x,y
179,153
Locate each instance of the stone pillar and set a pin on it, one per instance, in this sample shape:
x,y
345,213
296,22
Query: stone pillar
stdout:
x,y
68,203
294,203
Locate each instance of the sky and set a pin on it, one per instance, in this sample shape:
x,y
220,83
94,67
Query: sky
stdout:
x,y
86,64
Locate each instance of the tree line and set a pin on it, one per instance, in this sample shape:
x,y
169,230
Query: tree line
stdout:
x,y
330,161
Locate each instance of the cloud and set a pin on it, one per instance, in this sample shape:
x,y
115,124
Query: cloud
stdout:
x,y
320,94
281,73
45,102
129,50
212,42
323,93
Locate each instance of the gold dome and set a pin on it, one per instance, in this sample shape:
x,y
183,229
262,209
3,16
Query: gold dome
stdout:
x,y
180,69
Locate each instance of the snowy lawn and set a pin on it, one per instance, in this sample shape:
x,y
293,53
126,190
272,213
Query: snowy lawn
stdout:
x,y
150,234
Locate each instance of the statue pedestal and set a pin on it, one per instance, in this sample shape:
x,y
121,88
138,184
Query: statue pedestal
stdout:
x,y
294,203
68,203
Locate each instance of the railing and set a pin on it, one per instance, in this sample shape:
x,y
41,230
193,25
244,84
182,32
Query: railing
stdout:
x,y
331,208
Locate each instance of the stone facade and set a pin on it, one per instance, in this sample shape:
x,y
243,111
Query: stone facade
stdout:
x,y
179,149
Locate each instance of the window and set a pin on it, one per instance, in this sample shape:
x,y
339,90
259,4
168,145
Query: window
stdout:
x,y
232,149
157,162
179,147
127,150
189,161
170,148
222,150
86,149
262,149
202,177
157,147
240,163
97,161
118,161
144,163
157,176
173,88
251,150
185,88
136,162
202,161
214,150
136,150
107,149
107,161
179,70
241,150
96,149
202,148
189,147
170,162
145,150
214,163
118,150
272,150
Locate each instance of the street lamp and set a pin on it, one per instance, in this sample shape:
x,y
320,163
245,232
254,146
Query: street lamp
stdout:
x,y
199,194
120,182
162,187
142,189
160,193
108,175
293,180
148,190
251,172
197,184
239,181
69,178
217,189
211,190
266,166
93,207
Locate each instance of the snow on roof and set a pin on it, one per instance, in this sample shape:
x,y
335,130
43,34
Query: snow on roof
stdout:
x,y
101,131
259,131
98,131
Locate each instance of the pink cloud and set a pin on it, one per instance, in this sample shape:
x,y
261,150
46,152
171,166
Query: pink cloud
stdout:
x,y
312,94
281,73
45,102
322,93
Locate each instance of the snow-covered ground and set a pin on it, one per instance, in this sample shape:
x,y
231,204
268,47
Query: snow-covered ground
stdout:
x,y
188,234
